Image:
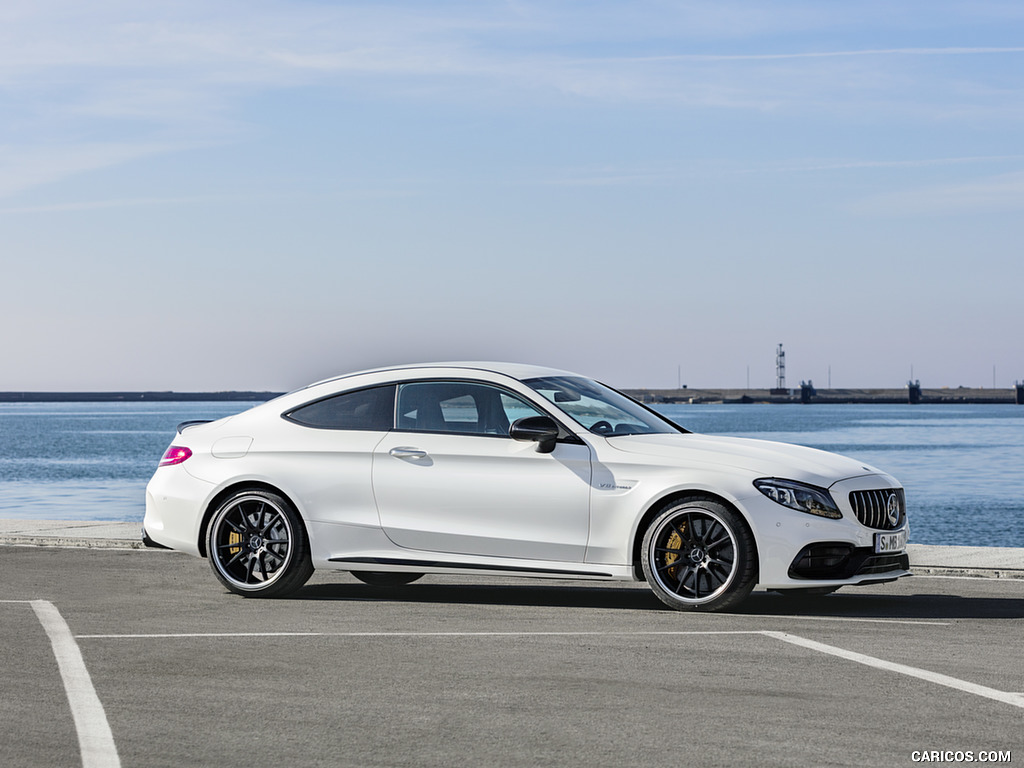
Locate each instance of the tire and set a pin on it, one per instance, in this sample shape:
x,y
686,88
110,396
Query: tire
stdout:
x,y
699,555
382,579
257,545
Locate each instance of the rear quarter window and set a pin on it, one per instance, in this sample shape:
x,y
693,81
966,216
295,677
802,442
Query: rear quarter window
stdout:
x,y
364,409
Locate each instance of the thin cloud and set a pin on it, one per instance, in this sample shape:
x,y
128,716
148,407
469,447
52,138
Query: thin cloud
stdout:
x,y
24,167
606,177
135,202
853,165
93,205
1001,193
826,54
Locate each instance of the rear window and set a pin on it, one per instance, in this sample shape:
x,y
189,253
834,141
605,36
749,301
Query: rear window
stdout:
x,y
365,409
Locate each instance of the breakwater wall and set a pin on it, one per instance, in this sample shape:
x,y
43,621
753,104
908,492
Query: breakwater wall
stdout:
x,y
959,395
125,397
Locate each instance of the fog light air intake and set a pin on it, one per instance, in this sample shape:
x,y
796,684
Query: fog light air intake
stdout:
x,y
821,561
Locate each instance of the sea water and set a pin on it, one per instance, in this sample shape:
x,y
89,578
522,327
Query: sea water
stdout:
x,y
88,461
962,465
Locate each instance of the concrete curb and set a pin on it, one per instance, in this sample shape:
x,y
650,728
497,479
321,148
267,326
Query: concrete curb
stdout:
x,y
967,573
92,534
69,542
969,562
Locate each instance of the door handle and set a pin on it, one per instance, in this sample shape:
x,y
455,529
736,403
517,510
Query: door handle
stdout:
x,y
413,454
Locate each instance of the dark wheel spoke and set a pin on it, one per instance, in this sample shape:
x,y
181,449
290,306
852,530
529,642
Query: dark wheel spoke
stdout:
x,y
725,565
275,519
718,542
717,572
234,559
709,530
682,536
684,573
234,527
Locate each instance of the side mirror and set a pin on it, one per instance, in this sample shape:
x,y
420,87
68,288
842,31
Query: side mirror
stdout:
x,y
540,429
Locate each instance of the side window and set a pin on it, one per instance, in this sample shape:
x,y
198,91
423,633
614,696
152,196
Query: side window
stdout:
x,y
365,409
456,411
517,409
461,407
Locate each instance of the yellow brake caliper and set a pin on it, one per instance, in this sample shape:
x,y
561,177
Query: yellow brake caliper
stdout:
x,y
675,541
234,538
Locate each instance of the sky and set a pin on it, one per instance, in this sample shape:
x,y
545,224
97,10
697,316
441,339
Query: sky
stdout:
x,y
257,194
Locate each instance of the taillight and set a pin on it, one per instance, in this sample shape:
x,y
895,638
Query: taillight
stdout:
x,y
175,455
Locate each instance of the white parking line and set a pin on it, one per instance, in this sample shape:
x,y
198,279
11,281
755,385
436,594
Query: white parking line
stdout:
x,y
95,739
787,617
1013,699
411,634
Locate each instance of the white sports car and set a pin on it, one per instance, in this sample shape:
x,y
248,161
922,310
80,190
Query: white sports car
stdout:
x,y
493,468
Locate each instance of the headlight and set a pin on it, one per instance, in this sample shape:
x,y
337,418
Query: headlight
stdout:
x,y
805,498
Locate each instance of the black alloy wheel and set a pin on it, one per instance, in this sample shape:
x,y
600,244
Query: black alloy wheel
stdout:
x,y
257,545
699,555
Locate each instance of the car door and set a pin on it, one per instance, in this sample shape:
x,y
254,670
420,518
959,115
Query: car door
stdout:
x,y
450,479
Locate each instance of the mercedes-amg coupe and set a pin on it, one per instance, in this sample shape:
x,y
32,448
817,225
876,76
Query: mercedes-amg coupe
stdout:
x,y
494,468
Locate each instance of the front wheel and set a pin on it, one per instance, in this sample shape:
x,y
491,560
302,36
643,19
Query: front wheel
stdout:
x,y
699,555
257,545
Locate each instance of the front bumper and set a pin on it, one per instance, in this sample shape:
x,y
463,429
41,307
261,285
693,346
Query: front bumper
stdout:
x,y
799,550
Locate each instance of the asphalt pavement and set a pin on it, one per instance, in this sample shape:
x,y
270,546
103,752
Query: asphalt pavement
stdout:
x,y
116,656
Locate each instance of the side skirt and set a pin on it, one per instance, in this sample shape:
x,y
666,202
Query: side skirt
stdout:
x,y
435,566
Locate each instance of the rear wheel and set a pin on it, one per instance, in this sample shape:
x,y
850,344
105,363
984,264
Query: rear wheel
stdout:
x,y
699,555
382,579
257,545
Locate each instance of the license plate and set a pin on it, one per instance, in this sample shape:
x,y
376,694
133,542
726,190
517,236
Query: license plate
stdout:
x,y
890,542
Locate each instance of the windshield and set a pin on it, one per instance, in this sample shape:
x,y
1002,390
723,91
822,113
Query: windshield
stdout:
x,y
600,409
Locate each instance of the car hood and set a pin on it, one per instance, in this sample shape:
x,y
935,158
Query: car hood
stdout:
x,y
762,458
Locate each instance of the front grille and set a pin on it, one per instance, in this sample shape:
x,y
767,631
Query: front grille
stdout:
x,y
872,508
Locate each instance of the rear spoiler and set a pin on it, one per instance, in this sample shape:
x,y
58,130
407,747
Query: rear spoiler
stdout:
x,y
186,424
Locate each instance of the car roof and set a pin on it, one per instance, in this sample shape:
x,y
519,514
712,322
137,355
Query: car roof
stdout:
x,y
515,370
